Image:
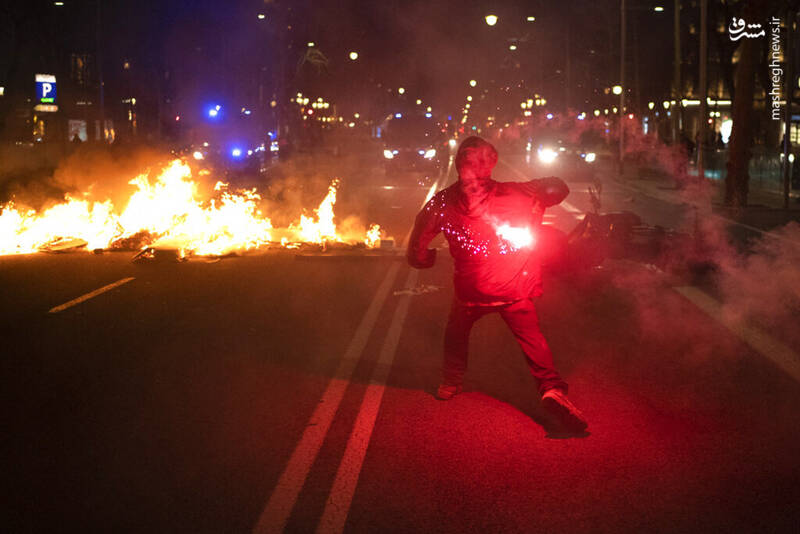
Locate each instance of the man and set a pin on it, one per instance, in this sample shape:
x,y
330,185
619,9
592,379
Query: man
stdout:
x,y
491,231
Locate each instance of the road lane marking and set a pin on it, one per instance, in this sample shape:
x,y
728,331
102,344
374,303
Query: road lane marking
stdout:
x,y
570,208
344,485
280,504
769,347
89,295
279,507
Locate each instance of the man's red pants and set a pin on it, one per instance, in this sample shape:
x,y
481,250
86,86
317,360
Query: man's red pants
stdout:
x,y
521,318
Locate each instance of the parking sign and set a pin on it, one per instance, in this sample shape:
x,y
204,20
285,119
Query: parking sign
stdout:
x,y
46,88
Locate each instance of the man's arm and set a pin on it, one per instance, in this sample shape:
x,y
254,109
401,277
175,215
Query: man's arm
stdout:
x,y
426,226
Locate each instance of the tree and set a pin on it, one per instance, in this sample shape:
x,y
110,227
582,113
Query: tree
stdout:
x,y
738,177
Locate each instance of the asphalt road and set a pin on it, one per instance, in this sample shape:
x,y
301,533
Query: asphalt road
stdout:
x,y
274,390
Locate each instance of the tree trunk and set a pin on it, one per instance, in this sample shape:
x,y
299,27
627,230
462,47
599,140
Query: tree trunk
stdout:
x,y
737,180
736,183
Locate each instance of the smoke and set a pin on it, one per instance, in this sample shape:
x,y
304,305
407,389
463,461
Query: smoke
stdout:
x,y
90,172
764,285
757,280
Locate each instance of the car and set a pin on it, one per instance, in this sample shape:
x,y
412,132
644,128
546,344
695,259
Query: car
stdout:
x,y
413,145
555,153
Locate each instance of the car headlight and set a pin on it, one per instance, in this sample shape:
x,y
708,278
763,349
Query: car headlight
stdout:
x,y
590,157
388,154
547,155
430,153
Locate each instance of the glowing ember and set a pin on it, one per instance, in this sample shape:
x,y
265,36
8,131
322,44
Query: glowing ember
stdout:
x,y
516,237
168,212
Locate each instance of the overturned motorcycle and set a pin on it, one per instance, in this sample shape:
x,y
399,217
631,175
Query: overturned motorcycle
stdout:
x,y
622,235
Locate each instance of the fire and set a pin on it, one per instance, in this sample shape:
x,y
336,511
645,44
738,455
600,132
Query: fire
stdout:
x,y
169,212
373,236
323,229
517,237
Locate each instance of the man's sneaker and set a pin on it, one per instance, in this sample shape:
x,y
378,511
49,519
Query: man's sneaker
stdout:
x,y
447,392
556,402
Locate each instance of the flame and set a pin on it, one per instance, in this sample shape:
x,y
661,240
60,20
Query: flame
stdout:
x,y
169,212
373,238
322,229
517,237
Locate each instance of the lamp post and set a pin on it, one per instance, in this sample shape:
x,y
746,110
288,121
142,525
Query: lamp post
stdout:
x,y
701,171
622,83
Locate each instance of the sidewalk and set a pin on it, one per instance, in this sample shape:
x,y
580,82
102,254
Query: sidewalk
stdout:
x,y
764,213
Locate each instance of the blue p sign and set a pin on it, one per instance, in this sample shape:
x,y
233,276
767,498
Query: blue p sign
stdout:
x,y
46,88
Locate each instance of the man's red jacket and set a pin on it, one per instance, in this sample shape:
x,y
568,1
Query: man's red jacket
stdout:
x,y
490,268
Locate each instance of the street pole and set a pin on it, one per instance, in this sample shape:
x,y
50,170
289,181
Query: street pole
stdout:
x,y
701,172
99,57
676,90
622,84
787,112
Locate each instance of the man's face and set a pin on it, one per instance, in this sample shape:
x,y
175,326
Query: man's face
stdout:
x,y
468,173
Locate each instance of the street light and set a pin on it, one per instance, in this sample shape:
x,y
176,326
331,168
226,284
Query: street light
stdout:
x,y
261,16
658,9
512,47
617,89
401,90
473,83
531,19
491,20
354,55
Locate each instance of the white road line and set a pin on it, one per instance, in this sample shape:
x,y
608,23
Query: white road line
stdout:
x,y
281,502
89,295
570,208
769,347
564,204
344,486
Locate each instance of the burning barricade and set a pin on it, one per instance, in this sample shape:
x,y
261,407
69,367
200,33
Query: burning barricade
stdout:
x,y
167,213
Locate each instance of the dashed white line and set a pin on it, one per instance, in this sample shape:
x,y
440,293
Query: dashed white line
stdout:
x,y
89,295
344,485
769,347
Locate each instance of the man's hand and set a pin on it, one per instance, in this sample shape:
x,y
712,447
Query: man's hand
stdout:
x,y
551,191
425,260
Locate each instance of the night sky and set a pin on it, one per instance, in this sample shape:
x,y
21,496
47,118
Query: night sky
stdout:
x,y
212,49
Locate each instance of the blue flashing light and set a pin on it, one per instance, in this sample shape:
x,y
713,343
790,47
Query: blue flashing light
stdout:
x,y
449,117
236,152
429,115
213,112
271,135
398,115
